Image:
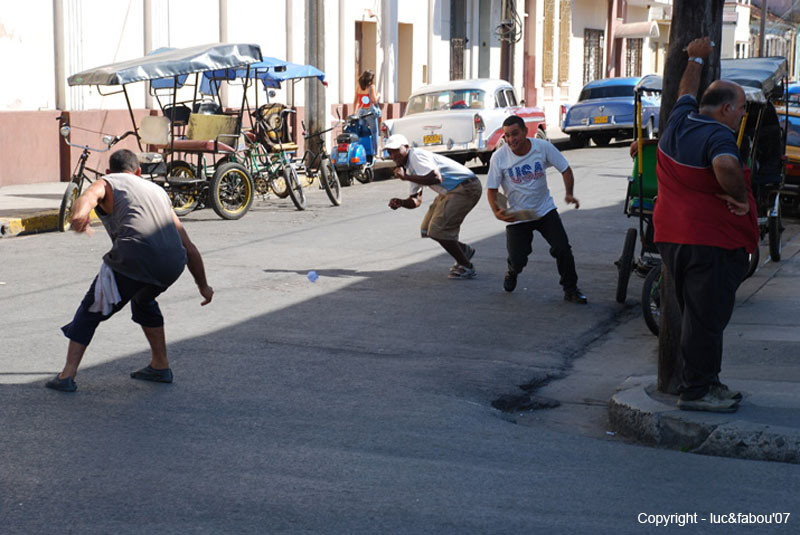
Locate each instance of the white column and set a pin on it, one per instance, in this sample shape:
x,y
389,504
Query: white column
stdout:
x,y
431,10
223,38
389,46
58,48
289,48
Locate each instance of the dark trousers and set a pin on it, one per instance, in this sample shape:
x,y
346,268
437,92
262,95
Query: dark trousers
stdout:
x,y
519,242
144,308
706,279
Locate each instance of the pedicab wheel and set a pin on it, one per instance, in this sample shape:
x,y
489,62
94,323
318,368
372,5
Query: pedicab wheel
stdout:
x,y
774,232
752,260
625,265
541,134
293,187
231,191
330,182
367,176
65,210
651,299
182,203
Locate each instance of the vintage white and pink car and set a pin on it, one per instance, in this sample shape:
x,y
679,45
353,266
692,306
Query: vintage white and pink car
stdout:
x,y
462,118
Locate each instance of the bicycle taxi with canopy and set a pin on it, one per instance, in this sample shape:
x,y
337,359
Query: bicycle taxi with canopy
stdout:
x,y
762,144
194,127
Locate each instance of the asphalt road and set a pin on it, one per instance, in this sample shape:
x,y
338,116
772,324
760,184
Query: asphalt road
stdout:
x,y
359,403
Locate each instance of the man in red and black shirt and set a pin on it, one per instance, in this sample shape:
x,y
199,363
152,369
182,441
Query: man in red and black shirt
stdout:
x,y
705,224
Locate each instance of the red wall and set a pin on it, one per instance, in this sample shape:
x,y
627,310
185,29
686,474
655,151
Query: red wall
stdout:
x,y
28,147
32,150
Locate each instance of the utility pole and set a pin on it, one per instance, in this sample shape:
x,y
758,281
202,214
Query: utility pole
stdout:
x,y
690,19
147,19
316,110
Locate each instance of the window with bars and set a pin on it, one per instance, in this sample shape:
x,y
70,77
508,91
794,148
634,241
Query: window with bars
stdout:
x,y
565,18
548,75
593,41
633,57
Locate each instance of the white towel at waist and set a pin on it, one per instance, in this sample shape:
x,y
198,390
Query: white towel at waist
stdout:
x,y
106,293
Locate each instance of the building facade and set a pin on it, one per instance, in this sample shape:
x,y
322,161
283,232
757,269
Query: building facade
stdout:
x,y
548,49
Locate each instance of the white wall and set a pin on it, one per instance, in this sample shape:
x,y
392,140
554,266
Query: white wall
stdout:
x,y
26,49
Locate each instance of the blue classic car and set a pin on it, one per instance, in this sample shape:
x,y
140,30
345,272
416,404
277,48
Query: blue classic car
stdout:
x,y
605,110
794,94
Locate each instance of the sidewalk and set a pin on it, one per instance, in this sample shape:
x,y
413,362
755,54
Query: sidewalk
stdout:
x,y
30,208
761,359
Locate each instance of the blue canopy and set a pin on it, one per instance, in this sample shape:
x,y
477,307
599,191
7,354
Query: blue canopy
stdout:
x,y
271,72
272,78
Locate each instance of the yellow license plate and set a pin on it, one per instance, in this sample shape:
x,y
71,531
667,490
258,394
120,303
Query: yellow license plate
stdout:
x,y
432,139
601,119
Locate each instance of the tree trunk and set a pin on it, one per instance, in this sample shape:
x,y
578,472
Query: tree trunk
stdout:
x,y
690,19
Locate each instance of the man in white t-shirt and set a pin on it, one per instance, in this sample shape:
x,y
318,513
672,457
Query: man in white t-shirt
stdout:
x,y
519,168
459,191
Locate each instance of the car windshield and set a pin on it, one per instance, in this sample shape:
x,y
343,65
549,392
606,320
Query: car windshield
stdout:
x,y
793,134
459,99
609,91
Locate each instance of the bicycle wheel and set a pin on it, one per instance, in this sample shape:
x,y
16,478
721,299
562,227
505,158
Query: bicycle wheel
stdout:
x,y
182,202
278,184
65,210
752,263
231,191
625,265
651,299
774,233
294,187
330,182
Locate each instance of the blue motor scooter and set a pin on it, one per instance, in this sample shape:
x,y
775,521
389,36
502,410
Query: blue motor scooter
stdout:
x,y
354,152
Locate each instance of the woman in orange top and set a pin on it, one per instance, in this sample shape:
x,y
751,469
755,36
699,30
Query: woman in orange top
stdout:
x,y
366,101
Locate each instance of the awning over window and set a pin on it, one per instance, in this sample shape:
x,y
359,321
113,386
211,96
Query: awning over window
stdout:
x,y
637,29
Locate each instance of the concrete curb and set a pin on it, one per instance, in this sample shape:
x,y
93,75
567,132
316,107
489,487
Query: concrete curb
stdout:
x,y
44,221
637,411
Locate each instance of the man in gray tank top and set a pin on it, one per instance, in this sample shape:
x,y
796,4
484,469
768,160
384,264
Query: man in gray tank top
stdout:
x,y
149,250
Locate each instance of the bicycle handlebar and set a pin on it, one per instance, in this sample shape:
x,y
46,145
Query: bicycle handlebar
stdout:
x,y
315,134
114,140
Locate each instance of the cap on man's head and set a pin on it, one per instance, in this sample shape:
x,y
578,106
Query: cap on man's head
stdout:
x,y
395,142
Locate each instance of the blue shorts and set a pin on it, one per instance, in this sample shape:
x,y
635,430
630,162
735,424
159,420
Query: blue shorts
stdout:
x,y
144,309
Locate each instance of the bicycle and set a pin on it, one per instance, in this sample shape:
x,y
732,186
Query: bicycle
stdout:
x,y
79,177
268,161
320,162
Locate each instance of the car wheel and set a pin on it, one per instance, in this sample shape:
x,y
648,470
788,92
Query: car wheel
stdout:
x,y
601,140
578,141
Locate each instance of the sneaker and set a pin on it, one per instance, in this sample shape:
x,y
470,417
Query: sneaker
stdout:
x,y
66,384
152,374
711,402
469,252
575,296
462,272
510,281
722,391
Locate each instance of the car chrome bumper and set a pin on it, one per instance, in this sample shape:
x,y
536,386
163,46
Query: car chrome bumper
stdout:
x,y
597,127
